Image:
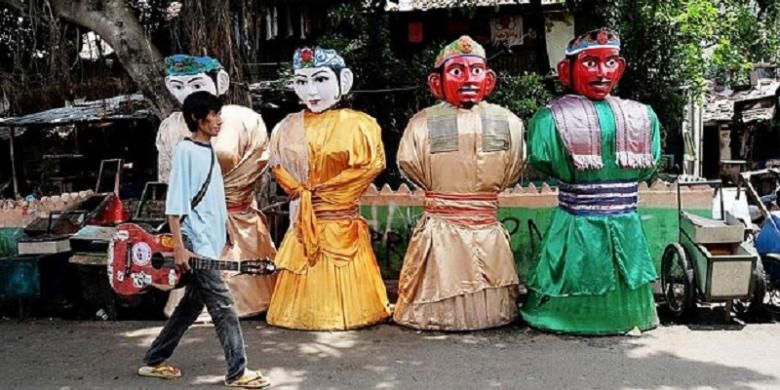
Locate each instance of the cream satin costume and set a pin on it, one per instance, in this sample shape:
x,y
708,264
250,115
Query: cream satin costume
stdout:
x,y
329,278
459,270
242,151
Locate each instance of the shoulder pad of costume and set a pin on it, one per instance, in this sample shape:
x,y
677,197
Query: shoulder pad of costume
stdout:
x,y
233,109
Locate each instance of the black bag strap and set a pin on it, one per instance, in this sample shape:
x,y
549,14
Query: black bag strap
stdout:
x,y
202,192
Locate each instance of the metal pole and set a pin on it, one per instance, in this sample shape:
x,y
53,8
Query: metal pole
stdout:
x,y
13,163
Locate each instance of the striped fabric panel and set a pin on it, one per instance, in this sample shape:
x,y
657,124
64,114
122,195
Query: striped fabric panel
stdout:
x,y
602,198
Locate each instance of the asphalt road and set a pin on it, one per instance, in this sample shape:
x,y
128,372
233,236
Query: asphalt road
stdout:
x,y
57,354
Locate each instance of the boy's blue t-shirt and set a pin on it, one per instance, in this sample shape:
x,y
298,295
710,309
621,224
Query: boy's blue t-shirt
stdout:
x,y
204,226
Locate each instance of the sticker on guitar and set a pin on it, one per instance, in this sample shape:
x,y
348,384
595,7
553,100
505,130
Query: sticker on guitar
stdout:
x,y
141,279
121,235
142,254
172,278
166,240
110,263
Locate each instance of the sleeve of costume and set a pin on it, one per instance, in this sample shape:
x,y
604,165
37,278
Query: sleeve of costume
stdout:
x,y
542,142
177,200
411,151
256,125
516,150
164,151
283,178
366,161
656,147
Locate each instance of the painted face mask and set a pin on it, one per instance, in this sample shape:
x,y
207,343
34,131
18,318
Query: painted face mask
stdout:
x,y
183,86
466,81
593,66
187,74
597,72
318,88
315,78
462,77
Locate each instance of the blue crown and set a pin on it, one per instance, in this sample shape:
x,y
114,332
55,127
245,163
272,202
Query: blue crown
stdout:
x,y
599,38
187,65
317,57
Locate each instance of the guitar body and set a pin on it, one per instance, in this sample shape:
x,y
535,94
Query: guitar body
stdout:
x,y
136,261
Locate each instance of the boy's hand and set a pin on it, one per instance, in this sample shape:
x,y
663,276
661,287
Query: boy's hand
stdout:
x,y
182,259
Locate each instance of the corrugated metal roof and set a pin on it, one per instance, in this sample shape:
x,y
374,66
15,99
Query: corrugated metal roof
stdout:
x,y
721,108
115,108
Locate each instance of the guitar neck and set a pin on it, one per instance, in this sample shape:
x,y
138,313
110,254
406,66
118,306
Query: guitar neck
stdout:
x,y
205,263
222,265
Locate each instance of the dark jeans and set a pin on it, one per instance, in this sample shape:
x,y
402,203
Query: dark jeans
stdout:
x,y
205,287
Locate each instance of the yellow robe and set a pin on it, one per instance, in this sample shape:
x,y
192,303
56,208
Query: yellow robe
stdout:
x,y
459,270
329,278
242,151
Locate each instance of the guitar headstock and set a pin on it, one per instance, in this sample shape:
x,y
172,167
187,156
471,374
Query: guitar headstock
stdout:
x,y
258,267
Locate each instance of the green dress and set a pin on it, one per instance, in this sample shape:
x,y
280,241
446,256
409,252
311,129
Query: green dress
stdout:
x,y
593,273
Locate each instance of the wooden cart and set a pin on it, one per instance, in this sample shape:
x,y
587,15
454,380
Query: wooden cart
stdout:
x,y
710,263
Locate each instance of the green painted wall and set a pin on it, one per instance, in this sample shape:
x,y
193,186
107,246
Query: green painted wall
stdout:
x,y
8,237
391,227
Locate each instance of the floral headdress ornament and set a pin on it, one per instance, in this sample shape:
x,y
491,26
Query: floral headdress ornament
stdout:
x,y
317,57
463,46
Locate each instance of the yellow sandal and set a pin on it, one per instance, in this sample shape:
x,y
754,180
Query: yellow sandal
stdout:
x,y
163,371
250,380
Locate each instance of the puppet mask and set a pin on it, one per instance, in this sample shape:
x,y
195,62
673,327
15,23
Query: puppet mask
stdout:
x,y
593,66
320,78
188,74
462,77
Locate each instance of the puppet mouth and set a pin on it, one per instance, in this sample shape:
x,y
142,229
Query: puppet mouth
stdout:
x,y
314,102
469,90
604,83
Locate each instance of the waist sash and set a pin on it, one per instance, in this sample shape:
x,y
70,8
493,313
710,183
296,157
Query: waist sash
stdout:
x,y
463,208
598,199
332,215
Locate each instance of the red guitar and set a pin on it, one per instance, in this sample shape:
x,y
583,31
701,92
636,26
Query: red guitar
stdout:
x,y
138,259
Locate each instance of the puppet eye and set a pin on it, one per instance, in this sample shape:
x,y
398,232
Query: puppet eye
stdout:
x,y
612,63
478,71
300,82
455,72
321,79
589,64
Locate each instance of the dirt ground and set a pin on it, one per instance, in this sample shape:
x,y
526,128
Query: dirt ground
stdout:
x,y
57,354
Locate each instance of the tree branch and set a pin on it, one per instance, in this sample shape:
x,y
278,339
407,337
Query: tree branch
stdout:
x,y
14,4
115,23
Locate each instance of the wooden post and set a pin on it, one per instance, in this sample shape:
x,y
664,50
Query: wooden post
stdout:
x,y
13,163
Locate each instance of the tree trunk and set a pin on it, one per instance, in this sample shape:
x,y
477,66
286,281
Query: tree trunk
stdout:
x,y
115,23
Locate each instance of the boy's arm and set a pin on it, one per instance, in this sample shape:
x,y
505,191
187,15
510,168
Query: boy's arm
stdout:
x,y
180,252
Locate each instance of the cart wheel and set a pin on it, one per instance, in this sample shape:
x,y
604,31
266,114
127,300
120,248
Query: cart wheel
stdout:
x,y
677,280
754,306
759,289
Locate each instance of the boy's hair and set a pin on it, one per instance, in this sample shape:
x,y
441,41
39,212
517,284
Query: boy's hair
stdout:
x,y
198,106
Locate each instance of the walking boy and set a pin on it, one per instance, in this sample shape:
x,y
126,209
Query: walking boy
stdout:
x,y
197,214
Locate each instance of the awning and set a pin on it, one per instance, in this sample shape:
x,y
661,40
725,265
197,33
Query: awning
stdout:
x,y
115,108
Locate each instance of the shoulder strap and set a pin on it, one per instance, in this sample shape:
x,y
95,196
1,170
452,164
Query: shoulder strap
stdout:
x,y
203,188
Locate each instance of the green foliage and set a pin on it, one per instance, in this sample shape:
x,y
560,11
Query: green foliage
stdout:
x,y
674,46
522,94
